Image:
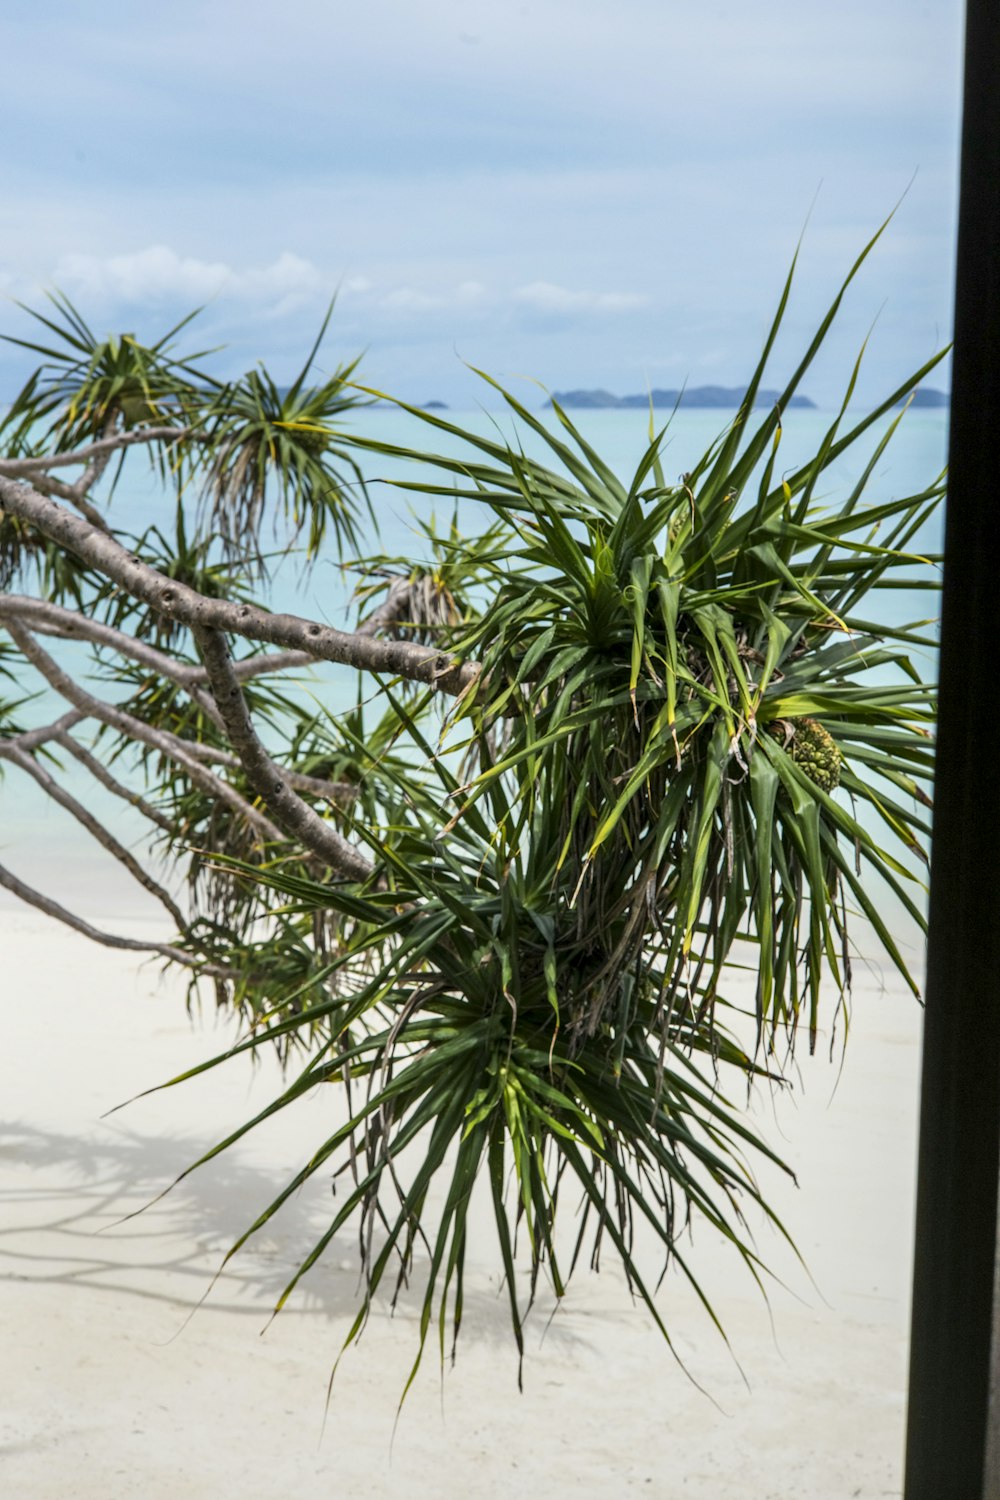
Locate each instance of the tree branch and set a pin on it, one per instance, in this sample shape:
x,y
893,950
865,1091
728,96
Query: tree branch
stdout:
x,y
394,609
49,486
33,739
336,792
266,662
83,816
103,775
268,780
95,468
30,739
134,729
177,601
29,467
52,908
52,618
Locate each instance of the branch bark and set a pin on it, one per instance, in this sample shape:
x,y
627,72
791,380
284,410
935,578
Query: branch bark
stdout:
x,y
94,827
268,780
134,729
51,619
51,908
111,783
95,468
337,792
71,492
67,624
31,739
393,610
177,601
103,448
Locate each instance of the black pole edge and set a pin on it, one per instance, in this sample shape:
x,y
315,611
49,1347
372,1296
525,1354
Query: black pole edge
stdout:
x,y
952,1420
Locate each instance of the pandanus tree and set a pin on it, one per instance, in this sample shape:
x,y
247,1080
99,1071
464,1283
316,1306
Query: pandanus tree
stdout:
x,y
624,733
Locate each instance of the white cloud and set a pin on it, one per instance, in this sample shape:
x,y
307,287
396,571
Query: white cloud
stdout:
x,y
465,296
547,297
407,299
288,276
156,272
159,274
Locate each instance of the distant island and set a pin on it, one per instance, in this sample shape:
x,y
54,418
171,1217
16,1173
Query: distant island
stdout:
x,y
727,397
926,397
284,391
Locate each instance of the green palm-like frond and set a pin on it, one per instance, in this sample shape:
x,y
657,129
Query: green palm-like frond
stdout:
x,y
292,438
691,747
88,386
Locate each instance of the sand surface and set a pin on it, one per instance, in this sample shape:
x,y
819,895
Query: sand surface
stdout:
x,y
116,1383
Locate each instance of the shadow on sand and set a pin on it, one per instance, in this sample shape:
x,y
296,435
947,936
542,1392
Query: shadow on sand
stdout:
x,y
98,1212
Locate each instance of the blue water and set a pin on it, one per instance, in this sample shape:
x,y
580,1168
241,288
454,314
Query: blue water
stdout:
x,y
914,458
46,847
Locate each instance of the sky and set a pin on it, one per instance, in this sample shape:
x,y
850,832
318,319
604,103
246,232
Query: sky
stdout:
x,y
581,192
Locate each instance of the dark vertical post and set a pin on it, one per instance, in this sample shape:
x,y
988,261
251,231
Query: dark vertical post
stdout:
x,y
952,1436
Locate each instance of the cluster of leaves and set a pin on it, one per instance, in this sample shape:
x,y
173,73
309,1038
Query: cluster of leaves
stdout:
x,y
258,432
233,454
90,386
675,679
245,445
685,728
433,601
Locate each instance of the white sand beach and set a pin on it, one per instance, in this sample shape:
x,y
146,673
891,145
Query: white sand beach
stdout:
x,y
117,1383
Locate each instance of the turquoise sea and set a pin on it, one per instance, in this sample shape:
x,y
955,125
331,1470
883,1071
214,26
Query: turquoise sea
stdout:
x,y
44,846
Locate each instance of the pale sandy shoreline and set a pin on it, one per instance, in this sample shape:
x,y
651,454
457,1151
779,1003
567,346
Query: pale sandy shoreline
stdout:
x,y
109,1391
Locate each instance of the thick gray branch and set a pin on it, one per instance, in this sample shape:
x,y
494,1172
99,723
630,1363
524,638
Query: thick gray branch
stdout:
x,y
56,619
268,780
177,601
53,619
